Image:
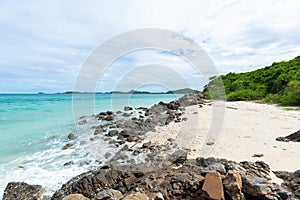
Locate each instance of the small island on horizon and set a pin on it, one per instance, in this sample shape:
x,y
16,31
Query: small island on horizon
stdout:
x,y
178,91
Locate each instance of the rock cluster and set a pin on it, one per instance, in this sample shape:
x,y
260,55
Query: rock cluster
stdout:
x,y
291,180
195,179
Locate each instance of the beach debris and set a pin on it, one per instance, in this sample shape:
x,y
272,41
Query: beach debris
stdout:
x,y
210,143
258,155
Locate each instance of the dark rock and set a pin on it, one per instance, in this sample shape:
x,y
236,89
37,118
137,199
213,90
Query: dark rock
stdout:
x,y
112,133
22,191
146,145
233,185
258,155
178,156
291,181
67,146
241,181
128,108
111,142
99,131
102,113
255,186
109,118
295,137
177,120
71,136
136,152
109,113
69,163
82,122
126,114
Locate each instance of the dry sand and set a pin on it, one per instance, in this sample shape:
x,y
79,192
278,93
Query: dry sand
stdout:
x,y
249,128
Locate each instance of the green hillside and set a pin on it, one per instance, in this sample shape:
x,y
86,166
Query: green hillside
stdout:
x,y
278,83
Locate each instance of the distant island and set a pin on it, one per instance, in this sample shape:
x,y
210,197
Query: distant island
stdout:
x,y
179,91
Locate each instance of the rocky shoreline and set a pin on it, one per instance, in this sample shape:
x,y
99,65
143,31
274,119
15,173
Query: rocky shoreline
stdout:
x,y
201,178
146,170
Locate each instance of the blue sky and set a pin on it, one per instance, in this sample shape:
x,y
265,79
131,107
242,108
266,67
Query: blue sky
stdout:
x,y
44,43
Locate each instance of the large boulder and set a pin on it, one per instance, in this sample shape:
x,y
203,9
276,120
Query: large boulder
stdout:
x,y
22,191
233,185
213,186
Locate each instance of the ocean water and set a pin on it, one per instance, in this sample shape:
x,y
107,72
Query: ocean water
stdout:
x,y
34,128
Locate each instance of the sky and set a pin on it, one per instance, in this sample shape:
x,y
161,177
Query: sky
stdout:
x,y
45,43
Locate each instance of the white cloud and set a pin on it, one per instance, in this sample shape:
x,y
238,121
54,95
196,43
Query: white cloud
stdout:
x,y
51,39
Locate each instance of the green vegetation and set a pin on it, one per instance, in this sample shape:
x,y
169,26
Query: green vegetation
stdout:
x,y
291,109
278,83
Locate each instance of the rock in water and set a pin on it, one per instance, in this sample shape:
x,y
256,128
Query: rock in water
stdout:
x,y
213,186
22,191
71,136
127,108
109,118
67,146
113,133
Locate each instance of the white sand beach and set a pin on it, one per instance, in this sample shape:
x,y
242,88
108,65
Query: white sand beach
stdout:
x,y
249,128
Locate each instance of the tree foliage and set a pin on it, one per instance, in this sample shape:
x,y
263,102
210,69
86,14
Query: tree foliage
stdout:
x,y
278,83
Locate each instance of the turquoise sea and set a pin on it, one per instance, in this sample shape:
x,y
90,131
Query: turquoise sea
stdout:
x,y
34,128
